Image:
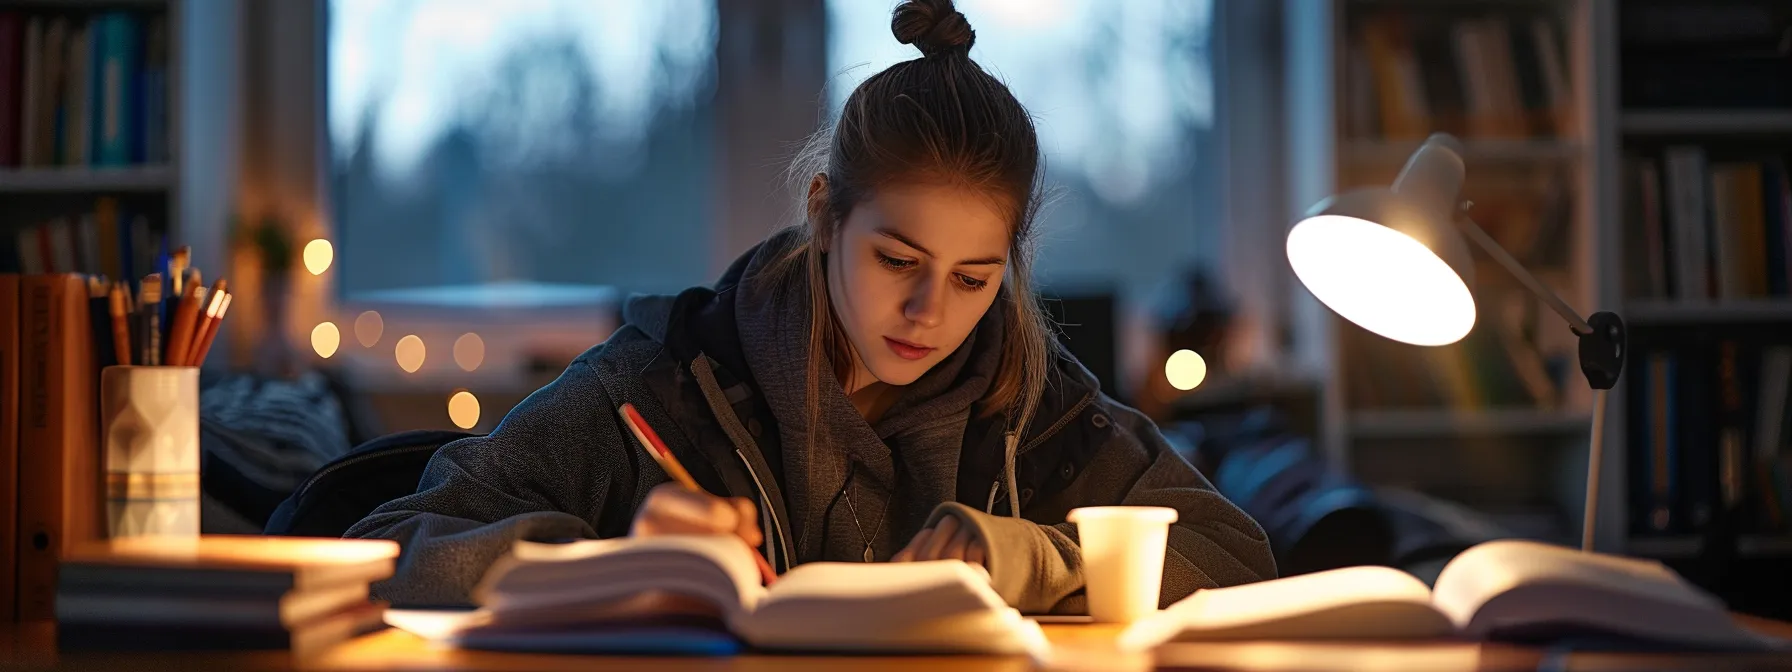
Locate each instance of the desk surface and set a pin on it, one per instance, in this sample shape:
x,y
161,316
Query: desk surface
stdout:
x,y
1079,647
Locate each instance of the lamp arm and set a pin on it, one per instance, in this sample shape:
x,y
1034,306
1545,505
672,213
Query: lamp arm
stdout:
x,y
1530,282
1602,350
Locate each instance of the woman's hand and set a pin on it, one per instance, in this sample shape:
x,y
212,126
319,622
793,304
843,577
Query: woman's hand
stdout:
x,y
946,540
674,509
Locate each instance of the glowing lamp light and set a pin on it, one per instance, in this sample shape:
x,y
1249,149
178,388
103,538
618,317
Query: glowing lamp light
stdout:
x,y
1394,261
409,353
325,338
368,327
1185,370
1381,279
463,409
469,351
318,255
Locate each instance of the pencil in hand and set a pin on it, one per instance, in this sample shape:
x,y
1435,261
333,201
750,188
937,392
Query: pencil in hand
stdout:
x,y
655,447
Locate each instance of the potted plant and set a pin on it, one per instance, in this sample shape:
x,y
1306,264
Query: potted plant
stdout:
x,y
269,240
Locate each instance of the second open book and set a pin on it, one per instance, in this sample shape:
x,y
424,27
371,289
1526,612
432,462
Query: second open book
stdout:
x,y
662,593
1507,590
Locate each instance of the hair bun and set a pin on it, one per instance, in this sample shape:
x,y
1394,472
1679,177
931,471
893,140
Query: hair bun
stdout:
x,y
933,26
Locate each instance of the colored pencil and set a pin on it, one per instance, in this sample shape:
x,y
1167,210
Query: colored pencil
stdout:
x,y
149,315
121,329
663,455
186,314
211,332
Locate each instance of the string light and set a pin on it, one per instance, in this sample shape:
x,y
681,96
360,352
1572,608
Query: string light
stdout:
x,y
463,409
325,338
368,327
410,353
318,255
469,351
1185,370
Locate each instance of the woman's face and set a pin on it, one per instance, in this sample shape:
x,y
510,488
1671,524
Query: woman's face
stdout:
x,y
911,272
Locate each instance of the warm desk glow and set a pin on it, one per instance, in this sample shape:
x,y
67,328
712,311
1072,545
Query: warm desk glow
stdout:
x,y
1381,279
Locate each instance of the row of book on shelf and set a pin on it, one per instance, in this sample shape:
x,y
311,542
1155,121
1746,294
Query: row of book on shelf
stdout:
x,y
84,88
1709,438
1503,75
1702,228
112,238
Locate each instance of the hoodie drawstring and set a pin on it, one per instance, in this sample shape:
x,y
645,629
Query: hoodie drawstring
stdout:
x,y
1013,445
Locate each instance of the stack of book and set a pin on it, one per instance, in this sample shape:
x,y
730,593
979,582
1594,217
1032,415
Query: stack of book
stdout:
x,y
219,593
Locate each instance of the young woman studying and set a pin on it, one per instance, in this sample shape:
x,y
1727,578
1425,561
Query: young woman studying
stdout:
x,y
875,384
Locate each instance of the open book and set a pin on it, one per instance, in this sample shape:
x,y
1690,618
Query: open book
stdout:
x,y
666,593
1507,590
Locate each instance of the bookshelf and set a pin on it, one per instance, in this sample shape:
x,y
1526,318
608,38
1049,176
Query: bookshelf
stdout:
x,y
1368,81
111,149
1700,200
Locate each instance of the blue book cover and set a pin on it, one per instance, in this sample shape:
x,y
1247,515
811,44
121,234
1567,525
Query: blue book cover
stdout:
x,y
118,71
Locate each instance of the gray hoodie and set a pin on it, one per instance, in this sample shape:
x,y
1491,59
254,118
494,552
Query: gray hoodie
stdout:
x,y
720,373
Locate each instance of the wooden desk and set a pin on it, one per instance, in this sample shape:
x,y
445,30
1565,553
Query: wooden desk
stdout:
x,y
1077,647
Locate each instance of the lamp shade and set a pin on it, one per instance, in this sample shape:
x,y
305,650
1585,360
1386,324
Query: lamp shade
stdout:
x,y
1391,260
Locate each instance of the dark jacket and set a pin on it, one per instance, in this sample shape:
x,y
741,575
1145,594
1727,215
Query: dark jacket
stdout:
x,y
561,465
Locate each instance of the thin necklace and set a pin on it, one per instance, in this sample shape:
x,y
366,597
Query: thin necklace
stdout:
x,y
854,509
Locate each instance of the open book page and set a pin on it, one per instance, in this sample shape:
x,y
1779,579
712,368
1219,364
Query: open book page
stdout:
x,y
537,578
1516,586
944,605
1348,603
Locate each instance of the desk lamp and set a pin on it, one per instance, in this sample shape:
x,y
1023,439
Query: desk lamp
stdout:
x,y
1393,261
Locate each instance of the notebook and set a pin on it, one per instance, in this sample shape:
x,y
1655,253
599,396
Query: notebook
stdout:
x,y
699,593
1505,590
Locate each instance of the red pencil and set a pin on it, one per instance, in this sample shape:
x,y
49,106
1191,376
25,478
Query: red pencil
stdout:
x,y
663,455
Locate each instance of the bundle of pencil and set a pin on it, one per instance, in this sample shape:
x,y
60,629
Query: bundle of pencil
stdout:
x,y
148,329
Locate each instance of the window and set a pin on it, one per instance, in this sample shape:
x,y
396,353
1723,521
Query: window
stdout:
x,y
529,145
554,143
1123,97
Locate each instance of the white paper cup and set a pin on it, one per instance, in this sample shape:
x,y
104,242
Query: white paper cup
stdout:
x,y
1123,558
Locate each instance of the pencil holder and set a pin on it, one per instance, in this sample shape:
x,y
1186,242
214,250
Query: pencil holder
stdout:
x,y
149,419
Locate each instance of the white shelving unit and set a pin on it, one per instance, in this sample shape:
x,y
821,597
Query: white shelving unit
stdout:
x,y
86,180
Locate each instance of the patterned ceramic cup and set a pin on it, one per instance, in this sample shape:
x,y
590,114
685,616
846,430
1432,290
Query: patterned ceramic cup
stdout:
x,y
150,437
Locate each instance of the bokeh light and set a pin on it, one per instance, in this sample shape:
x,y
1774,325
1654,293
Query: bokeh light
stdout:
x,y
410,353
